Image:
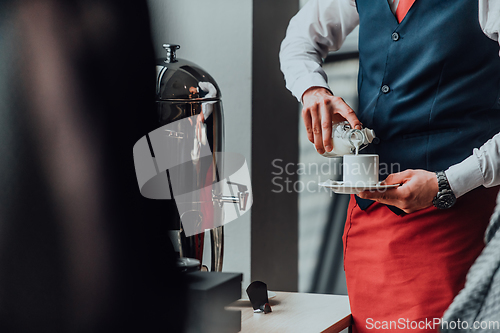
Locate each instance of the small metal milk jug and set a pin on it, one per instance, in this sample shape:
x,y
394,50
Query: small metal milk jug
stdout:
x,y
347,140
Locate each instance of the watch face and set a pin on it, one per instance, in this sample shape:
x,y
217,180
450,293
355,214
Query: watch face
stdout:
x,y
445,201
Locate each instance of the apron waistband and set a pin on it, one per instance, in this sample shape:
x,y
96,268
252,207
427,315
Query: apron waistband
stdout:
x,y
363,204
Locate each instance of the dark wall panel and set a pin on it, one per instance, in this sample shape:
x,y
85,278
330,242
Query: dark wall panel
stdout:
x,y
274,137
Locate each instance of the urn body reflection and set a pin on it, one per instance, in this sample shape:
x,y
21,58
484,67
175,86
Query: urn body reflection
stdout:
x,y
186,91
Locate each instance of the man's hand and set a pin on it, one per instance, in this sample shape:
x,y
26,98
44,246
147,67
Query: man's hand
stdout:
x,y
418,189
320,109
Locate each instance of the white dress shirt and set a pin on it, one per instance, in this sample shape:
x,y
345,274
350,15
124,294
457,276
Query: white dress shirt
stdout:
x,y
321,26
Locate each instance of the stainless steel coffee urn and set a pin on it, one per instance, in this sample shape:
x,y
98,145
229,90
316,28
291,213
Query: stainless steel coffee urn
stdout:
x,y
184,90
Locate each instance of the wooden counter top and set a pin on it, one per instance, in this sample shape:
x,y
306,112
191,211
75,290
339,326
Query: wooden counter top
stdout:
x,y
297,312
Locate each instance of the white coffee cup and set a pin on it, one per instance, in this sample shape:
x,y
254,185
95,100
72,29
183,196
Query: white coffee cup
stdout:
x,y
361,170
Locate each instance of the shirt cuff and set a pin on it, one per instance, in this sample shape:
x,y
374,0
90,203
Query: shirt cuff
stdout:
x,y
465,176
306,82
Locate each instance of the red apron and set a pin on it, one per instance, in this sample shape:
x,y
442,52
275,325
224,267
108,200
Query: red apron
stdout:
x,y
404,271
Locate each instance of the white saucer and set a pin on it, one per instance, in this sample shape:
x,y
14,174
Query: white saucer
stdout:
x,y
342,188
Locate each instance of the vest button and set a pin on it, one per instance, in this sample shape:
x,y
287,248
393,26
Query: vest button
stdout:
x,y
385,89
395,36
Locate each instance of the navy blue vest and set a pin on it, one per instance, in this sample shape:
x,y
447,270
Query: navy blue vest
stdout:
x,y
429,86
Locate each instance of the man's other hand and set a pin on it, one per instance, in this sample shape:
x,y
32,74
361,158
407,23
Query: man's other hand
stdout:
x,y
418,189
320,109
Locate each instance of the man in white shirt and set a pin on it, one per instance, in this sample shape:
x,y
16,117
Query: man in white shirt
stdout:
x,y
422,82
307,81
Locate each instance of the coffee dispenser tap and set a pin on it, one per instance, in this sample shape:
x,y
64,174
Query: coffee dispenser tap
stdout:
x,y
241,199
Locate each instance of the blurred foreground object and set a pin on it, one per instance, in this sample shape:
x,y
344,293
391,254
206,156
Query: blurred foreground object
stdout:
x,y
209,294
477,306
80,249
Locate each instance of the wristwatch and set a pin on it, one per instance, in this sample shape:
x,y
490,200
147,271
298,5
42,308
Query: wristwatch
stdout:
x,y
445,197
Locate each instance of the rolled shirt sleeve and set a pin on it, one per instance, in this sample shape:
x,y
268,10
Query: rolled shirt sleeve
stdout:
x,y
483,166
319,27
489,18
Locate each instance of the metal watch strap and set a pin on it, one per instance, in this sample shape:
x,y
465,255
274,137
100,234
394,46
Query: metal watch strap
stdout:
x,y
445,197
442,181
